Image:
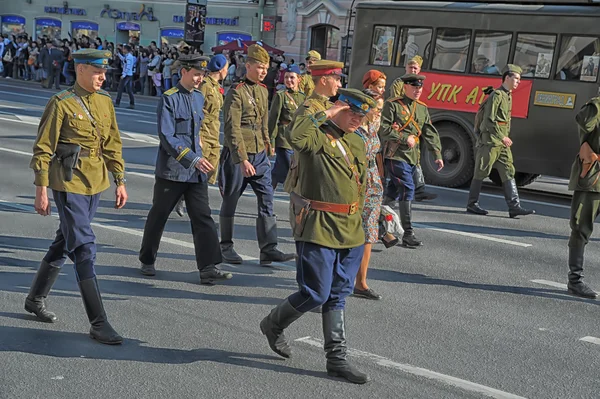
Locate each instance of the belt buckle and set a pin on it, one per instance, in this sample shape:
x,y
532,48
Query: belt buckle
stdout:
x,y
353,209
93,152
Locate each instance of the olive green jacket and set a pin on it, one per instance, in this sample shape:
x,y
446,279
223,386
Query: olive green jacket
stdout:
x,y
395,112
496,118
306,86
588,120
245,116
284,105
64,121
396,89
213,102
324,175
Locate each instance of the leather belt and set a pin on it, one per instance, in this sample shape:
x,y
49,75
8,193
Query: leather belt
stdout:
x,y
91,153
348,209
253,126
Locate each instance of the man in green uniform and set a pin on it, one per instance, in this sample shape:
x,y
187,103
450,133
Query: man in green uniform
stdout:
x,y
585,204
493,146
403,121
327,226
284,105
244,160
306,83
78,143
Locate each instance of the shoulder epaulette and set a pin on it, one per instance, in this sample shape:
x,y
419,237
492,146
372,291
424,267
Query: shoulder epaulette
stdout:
x,y
393,99
172,90
421,102
103,92
239,85
63,95
262,84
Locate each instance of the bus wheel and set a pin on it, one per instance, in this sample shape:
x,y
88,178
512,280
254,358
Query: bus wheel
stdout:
x,y
521,178
457,153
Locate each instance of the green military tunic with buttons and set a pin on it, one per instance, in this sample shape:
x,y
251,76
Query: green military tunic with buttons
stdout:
x,y
284,105
64,121
395,112
495,126
318,155
246,122
211,125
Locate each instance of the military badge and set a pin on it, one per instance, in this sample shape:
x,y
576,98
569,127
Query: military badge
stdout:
x,y
364,106
80,117
203,64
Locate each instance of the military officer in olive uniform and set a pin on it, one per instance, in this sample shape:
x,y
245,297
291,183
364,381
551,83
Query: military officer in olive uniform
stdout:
x,y
181,170
404,120
493,146
78,143
306,83
244,160
327,226
585,204
284,105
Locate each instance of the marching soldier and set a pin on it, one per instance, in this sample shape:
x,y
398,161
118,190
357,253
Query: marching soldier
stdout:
x,y
586,197
244,160
493,146
327,226
283,107
404,120
181,170
78,143
306,83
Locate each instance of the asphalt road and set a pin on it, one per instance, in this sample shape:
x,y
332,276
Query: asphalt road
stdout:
x,y
480,310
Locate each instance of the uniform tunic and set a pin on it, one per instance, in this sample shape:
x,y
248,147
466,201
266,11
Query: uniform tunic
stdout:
x,y
307,86
495,126
211,126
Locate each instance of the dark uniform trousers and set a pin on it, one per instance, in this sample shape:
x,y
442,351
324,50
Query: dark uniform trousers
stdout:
x,y
585,207
166,195
401,186
232,183
325,276
74,237
126,83
282,165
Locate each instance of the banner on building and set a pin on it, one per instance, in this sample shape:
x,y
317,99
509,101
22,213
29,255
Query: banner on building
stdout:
x,y
195,23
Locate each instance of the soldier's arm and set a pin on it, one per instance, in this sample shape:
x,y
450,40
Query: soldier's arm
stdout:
x,y
305,135
46,141
112,149
274,114
175,146
499,122
233,128
432,137
587,119
386,131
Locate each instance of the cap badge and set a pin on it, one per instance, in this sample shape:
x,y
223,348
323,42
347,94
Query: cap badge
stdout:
x,y
203,64
364,106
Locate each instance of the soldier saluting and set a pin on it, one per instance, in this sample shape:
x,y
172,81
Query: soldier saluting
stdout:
x,y
493,146
78,143
404,120
244,160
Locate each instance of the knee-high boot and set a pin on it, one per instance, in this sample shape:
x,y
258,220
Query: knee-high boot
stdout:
x,y
266,232
576,286
101,330
473,202
408,239
40,288
273,325
511,195
227,251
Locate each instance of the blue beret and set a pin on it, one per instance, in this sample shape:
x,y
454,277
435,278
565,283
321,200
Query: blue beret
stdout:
x,y
293,68
217,63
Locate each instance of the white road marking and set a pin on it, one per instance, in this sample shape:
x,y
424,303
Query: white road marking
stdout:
x,y
550,283
140,233
421,372
591,340
15,151
148,122
473,235
19,121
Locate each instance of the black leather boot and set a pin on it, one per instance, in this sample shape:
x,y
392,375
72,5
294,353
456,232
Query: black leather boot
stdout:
x,y
420,193
576,286
408,239
227,251
511,195
210,274
101,330
266,232
40,288
273,325
473,202
334,332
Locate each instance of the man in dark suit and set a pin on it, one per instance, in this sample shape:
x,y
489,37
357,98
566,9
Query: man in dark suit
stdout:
x,y
51,59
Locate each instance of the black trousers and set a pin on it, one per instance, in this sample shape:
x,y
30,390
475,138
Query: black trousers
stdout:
x,y
54,77
126,83
166,196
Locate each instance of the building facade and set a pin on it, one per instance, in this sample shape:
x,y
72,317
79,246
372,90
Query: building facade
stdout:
x,y
137,20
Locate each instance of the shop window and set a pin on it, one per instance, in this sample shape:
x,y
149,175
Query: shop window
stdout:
x,y
579,58
451,49
534,54
413,41
382,45
490,54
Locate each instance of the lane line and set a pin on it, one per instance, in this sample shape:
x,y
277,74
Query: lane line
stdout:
x,y
591,340
140,233
473,235
550,283
421,372
15,151
148,122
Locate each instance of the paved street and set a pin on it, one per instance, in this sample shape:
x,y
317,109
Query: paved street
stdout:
x,y
480,311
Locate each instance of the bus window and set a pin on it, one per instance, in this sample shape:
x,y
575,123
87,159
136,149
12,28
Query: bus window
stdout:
x,y
490,55
382,45
413,41
579,58
534,54
451,48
